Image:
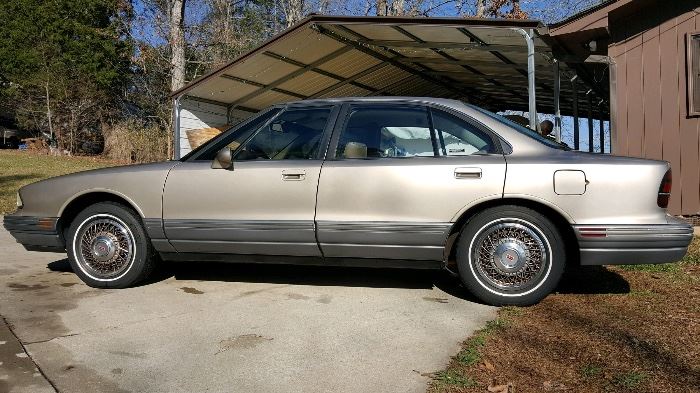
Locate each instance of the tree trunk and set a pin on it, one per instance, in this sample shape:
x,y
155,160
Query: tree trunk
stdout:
x,y
294,11
177,44
398,8
48,111
381,7
480,8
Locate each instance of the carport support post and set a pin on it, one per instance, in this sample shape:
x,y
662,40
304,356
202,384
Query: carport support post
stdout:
x,y
575,102
590,121
601,130
532,103
176,128
557,111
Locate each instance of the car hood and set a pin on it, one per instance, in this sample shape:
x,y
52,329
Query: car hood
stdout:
x,y
140,186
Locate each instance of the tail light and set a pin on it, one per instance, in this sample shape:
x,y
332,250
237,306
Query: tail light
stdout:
x,y
665,190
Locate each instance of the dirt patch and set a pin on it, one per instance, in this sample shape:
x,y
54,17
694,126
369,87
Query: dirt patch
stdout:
x,y
325,299
15,286
435,299
69,375
37,300
193,291
129,354
298,296
245,341
637,330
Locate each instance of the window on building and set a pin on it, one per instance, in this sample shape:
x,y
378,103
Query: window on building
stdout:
x,y
694,74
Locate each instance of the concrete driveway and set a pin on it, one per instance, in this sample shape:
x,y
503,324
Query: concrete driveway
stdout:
x,y
228,328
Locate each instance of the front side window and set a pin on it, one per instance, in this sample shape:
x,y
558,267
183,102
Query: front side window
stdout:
x,y
384,132
232,138
294,135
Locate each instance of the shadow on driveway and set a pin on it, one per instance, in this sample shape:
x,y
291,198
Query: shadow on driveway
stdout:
x,y
576,280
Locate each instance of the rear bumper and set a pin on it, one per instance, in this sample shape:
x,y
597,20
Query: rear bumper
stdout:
x,y
633,244
35,233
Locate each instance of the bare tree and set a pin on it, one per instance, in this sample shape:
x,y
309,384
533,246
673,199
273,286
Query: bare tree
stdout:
x,y
382,7
293,11
480,8
323,6
176,18
397,7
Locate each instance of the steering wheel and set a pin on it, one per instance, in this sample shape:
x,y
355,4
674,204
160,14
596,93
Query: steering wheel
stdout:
x,y
253,152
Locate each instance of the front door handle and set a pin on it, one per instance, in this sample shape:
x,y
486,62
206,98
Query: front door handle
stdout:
x,y
293,175
468,173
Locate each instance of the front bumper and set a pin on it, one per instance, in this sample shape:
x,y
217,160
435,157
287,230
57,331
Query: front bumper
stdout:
x,y
35,233
633,244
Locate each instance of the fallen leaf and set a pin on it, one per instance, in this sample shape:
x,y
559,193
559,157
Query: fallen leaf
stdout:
x,y
430,375
493,388
551,385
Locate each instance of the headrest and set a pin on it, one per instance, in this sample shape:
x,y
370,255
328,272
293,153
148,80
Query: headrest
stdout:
x,y
355,150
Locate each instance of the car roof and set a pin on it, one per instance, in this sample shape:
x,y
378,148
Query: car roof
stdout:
x,y
391,99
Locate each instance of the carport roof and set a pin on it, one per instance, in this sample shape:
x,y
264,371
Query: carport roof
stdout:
x,y
483,61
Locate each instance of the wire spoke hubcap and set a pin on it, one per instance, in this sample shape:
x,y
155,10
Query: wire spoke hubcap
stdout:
x,y
105,247
510,255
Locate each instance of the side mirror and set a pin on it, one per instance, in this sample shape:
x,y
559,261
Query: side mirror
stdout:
x,y
223,159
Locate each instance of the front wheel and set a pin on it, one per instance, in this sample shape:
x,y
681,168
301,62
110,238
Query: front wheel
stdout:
x,y
108,247
510,255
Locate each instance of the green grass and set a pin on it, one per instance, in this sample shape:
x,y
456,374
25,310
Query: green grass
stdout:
x,y
591,370
470,355
641,293
659,268
18,168
453,378
629,380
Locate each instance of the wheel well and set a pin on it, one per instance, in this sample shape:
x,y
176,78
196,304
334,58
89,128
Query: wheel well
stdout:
x,y
80,203
562,225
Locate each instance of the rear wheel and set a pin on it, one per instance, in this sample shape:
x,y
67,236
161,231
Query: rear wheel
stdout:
x,y
108,247
510,255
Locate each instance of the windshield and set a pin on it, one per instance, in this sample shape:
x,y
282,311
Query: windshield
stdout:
x,y
522,129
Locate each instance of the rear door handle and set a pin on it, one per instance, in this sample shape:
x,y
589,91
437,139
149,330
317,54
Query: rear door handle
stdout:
x,y
468,173
293,175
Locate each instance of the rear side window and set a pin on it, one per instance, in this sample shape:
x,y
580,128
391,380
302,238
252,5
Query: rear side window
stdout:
x,y
457,137
386,132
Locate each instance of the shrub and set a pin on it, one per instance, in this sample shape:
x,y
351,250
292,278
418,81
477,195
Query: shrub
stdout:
x,y
133,141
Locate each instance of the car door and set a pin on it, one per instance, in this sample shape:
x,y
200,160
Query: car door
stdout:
x,y
265,205
396,177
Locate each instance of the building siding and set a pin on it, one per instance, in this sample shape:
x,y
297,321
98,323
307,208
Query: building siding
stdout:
x,y
195,115
651,118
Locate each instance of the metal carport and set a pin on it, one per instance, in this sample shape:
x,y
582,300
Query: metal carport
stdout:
x,y
496,64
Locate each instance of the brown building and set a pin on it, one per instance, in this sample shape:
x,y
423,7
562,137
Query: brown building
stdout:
x,y
652,51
